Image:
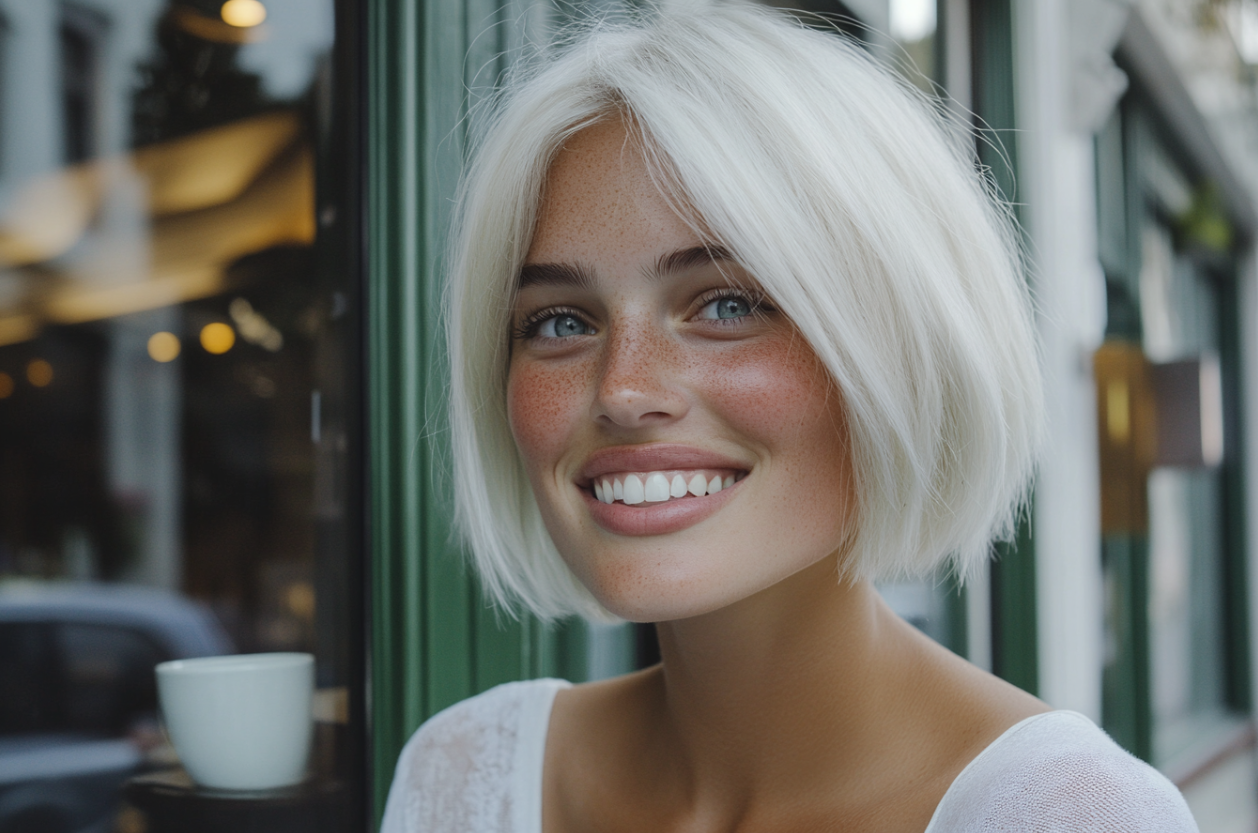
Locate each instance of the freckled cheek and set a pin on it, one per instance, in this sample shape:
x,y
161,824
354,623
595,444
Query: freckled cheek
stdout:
x,y
544,405
776,387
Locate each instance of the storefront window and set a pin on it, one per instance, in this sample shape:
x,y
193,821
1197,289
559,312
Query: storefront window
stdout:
x,y
1180,313
177,387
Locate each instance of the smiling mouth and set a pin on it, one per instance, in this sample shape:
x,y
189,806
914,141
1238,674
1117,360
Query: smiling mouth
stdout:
x,y
653,488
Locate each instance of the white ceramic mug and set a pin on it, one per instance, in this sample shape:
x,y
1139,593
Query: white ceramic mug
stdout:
x,y
240,722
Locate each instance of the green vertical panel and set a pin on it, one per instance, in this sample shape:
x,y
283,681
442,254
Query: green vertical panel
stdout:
x,y
544,657
1236,572
1014,629
447,613
1014,646
1111,198
500,651
559,651
1135,134
1126,708
571,646
991,22
422,600
956,611
396,479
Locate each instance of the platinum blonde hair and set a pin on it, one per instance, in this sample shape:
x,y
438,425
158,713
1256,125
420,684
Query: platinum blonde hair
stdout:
x,y
861,215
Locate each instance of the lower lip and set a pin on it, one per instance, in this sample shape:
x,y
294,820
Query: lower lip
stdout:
x,y
656,518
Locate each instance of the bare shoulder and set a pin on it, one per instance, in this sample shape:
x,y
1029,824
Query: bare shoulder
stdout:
x,y
611,707
614,691
598,732
965,706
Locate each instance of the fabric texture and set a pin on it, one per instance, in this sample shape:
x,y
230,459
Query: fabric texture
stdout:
x,y
477,768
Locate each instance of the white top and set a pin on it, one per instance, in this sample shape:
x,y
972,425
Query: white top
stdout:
x,y
477,768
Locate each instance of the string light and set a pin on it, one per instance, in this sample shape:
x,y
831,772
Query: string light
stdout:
x,y
243,14
164,347
217,338
39,373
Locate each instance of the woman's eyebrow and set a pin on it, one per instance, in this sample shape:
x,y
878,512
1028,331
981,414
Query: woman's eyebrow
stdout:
x,y
683,259
554,274
575,275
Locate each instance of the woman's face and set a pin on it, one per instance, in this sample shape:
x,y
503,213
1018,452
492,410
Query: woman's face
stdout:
x,y
647,364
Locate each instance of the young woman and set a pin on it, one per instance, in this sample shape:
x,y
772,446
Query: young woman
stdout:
x,y
735,331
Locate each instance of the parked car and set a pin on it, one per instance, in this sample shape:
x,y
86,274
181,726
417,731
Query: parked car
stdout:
x,y
78,695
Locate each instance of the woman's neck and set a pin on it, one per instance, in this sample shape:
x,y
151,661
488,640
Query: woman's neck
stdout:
x,y
807,705
804,679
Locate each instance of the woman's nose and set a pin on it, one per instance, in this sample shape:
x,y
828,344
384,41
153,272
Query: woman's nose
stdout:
x,y
638,383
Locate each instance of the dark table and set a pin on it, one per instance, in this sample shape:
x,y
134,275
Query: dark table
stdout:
x,y
171,803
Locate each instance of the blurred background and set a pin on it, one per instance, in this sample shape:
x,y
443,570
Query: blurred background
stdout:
x,y
221,376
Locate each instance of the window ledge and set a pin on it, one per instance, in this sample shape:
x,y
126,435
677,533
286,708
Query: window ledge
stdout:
x,y
1218,738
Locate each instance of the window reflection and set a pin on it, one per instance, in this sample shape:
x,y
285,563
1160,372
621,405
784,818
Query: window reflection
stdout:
x,y
173,354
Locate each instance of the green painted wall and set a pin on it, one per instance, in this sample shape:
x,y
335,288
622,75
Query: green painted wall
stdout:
x,y
1014,638
433,640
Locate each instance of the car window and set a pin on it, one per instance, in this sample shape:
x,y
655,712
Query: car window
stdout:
x,y
75,677
29,678
108,676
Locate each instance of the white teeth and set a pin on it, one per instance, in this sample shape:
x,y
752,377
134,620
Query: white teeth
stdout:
x,y
634,492
656,490
657,487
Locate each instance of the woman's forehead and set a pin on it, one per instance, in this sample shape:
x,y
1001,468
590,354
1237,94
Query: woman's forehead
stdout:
x,y
601,202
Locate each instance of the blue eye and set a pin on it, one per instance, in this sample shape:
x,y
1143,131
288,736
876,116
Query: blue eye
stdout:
x,y
729,307
563,326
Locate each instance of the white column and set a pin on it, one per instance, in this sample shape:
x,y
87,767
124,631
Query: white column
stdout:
x,y
143,411
1058,189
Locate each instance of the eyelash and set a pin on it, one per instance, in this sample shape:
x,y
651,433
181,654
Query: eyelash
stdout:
x,y
529,326
756,300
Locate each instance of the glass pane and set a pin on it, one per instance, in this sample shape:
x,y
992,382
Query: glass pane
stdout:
x,y
177,325
1179,310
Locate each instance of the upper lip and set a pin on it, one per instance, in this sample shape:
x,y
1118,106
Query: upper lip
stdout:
x,y
654,457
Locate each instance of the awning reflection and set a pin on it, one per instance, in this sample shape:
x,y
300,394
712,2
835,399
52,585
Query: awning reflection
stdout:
x,y
196,205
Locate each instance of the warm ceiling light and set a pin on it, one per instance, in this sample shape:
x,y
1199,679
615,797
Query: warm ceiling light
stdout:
x,y
164,347
39,373
217,338
243,13
6,386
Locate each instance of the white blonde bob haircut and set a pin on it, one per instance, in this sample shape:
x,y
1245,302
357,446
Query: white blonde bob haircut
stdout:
x,y
861,215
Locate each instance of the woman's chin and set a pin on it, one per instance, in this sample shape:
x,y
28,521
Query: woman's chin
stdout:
x,y
646,596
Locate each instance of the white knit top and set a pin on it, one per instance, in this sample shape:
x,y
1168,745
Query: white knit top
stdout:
x,y
477,768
